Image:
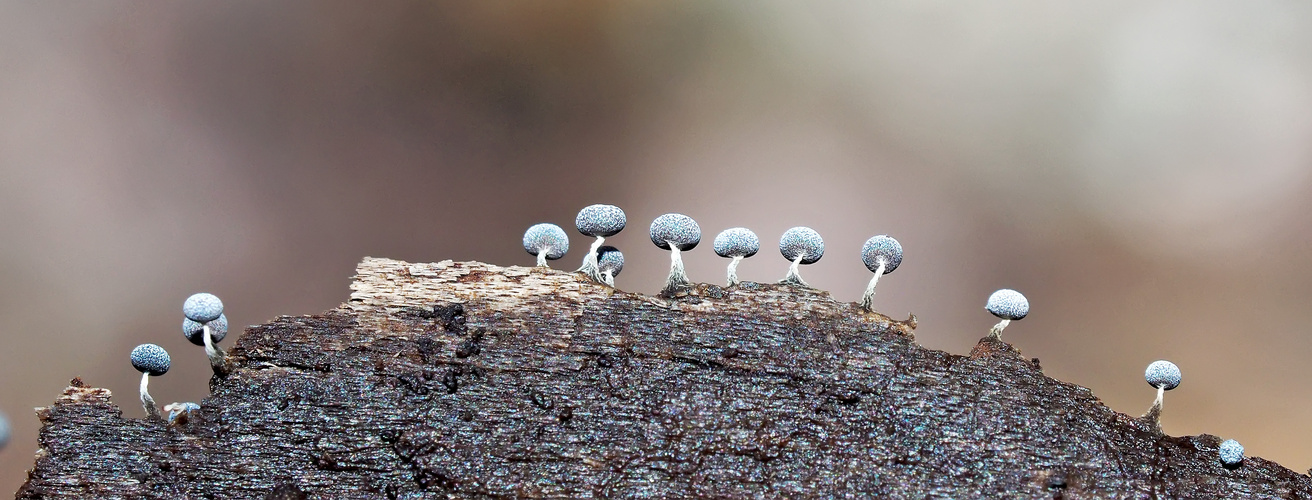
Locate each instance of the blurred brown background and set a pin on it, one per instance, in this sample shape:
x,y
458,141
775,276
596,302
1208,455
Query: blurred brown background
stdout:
x,y
1141,170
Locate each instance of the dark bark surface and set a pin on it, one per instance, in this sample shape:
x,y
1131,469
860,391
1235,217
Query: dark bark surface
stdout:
x,y
474,381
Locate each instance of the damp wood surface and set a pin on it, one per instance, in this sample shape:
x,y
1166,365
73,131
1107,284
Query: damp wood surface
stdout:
x,y
467,380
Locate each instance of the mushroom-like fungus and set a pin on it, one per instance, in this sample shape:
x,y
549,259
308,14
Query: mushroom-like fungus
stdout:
x,y
1163,375
1009,305
546,242
207,310
736,243
599,221
800,245
179,413
1231,453
676,233
610,261
152,361
881,255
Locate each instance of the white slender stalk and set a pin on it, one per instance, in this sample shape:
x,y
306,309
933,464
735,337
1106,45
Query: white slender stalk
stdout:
x,y
542,256
869,297
996,331
678,278
216,355
147,402
590,268
794,277
733,270
1154,415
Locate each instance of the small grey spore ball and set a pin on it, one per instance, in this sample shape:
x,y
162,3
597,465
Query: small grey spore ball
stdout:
x,y
549,237
202,307
195,331
1231,453
804,242
1008,304
736,242
179,413
677,228
610,259
882,247
1162,374
600,220
150,358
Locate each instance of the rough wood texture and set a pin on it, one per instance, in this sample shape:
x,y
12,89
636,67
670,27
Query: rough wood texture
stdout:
x,y
472,381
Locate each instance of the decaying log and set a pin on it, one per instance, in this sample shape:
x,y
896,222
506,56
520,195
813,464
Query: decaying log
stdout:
x,y
469,380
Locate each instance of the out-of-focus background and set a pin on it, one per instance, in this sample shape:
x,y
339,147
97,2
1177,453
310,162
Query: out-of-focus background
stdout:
x,y
1142,171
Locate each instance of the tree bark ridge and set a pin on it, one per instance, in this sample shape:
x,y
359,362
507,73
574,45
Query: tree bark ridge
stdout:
x,y
475,381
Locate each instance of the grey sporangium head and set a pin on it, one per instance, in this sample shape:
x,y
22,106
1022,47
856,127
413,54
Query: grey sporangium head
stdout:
x,y
675,230
546,242
202,307
1164,376
676,233
610,261
1009,305
881,255
736,243
195,331
150,360
600,221
1232,453
800,245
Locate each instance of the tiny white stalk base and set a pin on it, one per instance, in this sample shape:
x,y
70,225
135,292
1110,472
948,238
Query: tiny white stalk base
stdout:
x,y
590,268
733,270
869,297
147,402
542,257
678,278
217,356
1154,415
794,277
996,331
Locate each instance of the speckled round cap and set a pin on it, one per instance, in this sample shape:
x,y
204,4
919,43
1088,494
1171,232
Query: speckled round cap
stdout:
x,y
610,259
1231,452
800,240
194,331
202,307
549,236
600,220
150,358
1008,304
678,228
736,242
1162,374
882,247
